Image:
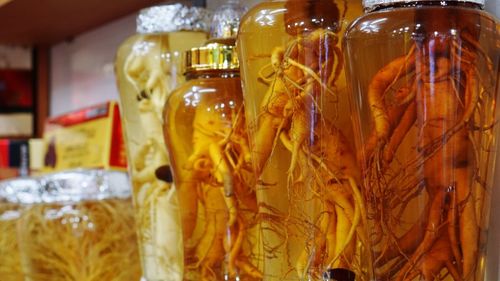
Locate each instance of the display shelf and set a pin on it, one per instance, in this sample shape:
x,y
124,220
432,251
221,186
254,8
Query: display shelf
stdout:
x,y
35,22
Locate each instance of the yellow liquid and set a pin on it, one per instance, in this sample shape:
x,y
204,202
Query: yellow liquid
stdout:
x,y
10,262
148,68
429,172
86,241
301,139
206,136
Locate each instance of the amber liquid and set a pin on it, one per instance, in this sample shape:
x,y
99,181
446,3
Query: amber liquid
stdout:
x,y
206,136
86,241
301,138
429,169
10,262
149,67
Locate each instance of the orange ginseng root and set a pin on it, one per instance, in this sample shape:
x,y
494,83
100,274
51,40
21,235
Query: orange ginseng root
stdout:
x,y
215,185
428,153
322,167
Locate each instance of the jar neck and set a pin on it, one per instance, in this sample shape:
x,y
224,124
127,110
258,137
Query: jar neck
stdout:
x,y
303,16
424,3
210,74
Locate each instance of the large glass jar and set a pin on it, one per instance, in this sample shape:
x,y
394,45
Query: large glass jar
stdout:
x,y
81,229
10,263
206,138
15,195
301,139
148,68
424,77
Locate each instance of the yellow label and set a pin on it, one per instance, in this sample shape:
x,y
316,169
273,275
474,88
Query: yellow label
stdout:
x,y
85,143
82,145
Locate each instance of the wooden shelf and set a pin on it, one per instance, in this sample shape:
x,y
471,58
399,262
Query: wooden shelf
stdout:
x,y
46,22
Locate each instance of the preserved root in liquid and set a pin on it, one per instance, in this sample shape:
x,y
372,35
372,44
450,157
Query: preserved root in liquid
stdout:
x,y
207,140
149,69
10,262
427,108
86,241
301,139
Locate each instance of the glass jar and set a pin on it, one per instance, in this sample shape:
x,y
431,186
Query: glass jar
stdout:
x,y
301,139
15,195
81,229
424,77
206,138
148,68
10,263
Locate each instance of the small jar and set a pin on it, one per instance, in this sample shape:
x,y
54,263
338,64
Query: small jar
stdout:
x,y
81,228
301,138
15,195
206,138
424,80
148,68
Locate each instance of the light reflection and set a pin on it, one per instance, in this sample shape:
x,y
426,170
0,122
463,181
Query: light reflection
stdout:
x,y
10,215
207,90
193,97
222,108
267,17
372,26
405,30
142,48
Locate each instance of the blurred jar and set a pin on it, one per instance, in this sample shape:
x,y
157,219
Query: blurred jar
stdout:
x,y
82,229
148,68
301,139
207,142
15,195
424,77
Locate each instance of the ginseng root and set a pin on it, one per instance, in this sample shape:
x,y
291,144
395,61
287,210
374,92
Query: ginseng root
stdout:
x,y
321,159
438,103
217,181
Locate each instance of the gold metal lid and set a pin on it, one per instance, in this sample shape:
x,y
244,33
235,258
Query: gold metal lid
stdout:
x,y
213,56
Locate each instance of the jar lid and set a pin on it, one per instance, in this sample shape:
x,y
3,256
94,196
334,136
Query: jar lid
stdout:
x,y
213,56
84,185
371,4
68,186
21,191
175,17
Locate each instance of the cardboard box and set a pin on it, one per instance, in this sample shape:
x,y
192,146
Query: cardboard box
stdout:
x,y
14,158
87,138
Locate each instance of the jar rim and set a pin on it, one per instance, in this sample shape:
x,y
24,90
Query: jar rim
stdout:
x,y
371,4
